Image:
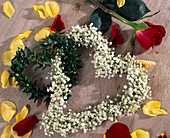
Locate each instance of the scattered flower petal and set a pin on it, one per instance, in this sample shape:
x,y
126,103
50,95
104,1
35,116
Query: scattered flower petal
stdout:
x,y
118,130
162,136
16,43
26,34
24,126
146,64
8,9
43,33
159,112
116,38
152,108
7,57
58,25
41,10
15,82
22,115
15,135
5,79
7,110
7,132
52,8
120,3
140,134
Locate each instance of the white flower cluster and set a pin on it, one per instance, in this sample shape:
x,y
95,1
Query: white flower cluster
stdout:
x,y
107,65
87,36
59,84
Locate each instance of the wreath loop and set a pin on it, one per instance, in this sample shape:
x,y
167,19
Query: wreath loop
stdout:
x,y
47,50
107,65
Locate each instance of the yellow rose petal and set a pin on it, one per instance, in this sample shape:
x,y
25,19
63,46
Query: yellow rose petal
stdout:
x,y
52,8
104,136
146,64
15,135
152,108
8,110
7,57
120,3
26,34
41,10
148,107
8,9
157,111
16,43
43,33
15,82
22,115
140,134
5,79
7,132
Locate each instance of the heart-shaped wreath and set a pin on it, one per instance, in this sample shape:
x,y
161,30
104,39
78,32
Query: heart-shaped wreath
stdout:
x,y
59,52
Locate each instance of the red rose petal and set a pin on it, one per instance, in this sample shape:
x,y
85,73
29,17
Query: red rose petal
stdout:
x,y
164,136
116,38
149,24
24,126
118,130
143,40
58,25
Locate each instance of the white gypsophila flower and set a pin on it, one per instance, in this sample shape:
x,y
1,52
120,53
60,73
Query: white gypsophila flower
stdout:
x,y
106,65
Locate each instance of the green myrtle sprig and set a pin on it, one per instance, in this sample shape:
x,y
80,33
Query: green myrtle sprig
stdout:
x,y
41,58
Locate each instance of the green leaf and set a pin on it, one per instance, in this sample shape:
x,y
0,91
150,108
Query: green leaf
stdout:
x,y
34,52
101,20
132,10
50,41
37,68
21,52
141,26
103,1
28,51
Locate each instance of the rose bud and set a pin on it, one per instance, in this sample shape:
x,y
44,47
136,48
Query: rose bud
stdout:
x,y
58,25
151,36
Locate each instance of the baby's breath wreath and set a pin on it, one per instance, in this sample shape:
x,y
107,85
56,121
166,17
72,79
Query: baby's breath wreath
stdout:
x,y
107,65
59,52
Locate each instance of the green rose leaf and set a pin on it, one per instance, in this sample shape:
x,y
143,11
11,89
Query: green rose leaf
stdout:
x,y
103,1
132,10
101,20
